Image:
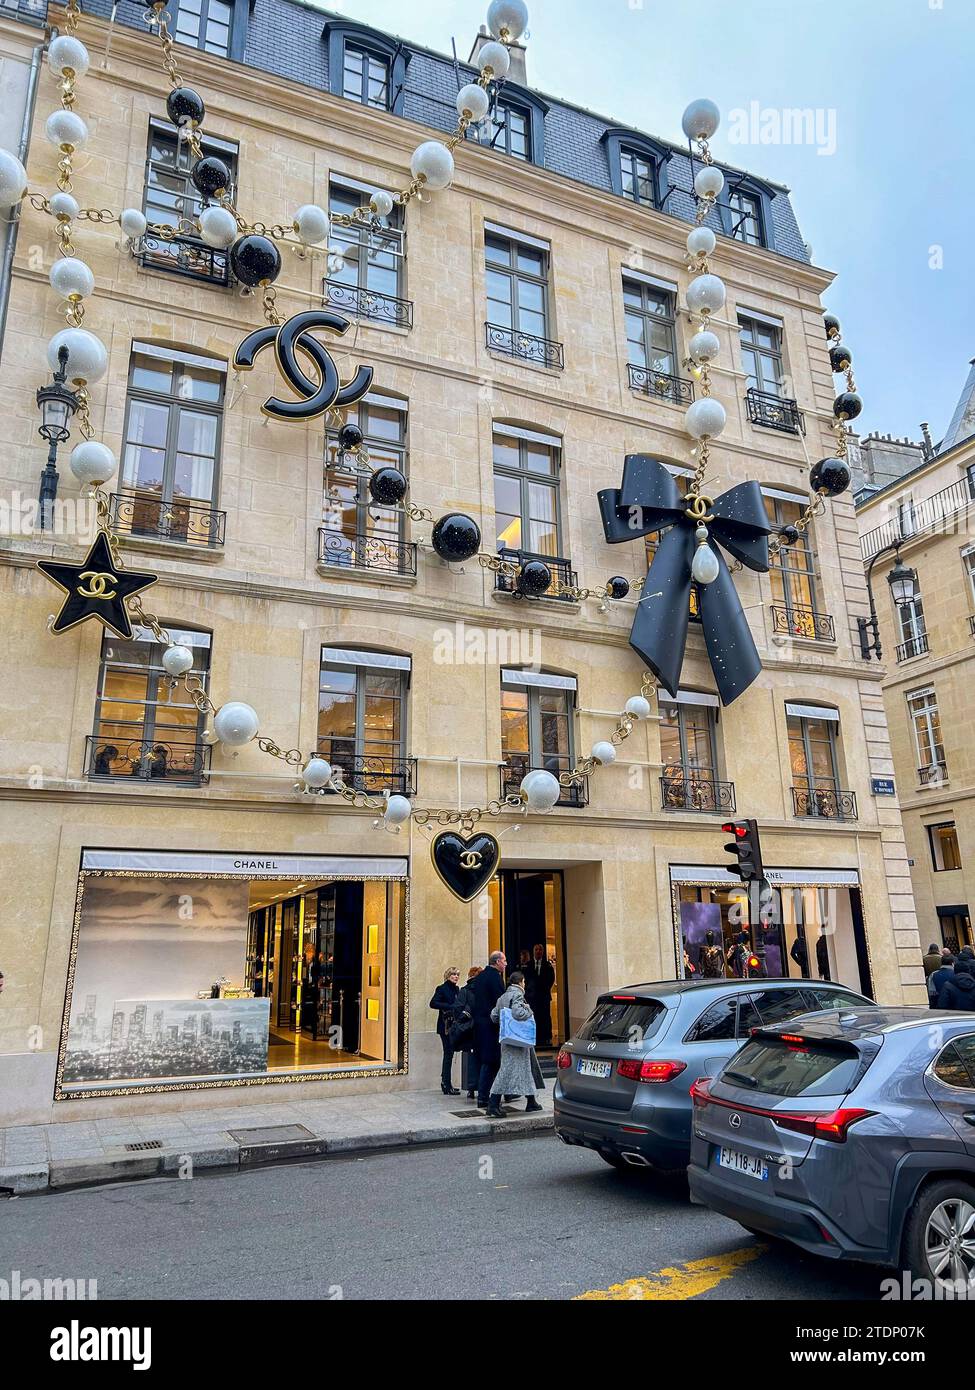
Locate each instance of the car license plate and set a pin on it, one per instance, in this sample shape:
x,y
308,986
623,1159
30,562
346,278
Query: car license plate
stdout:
x,y
587,1067
743,1163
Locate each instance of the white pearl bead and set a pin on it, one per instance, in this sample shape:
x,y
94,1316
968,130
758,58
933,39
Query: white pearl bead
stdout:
x,y
311,223
705,294
704,346
708,181
63,205
398,810
316,773
434,162
638,707
13,179
604,752
705,418
133,222
472,101
701,241
87,355
494,56
66,52
507,14
704,566
66,130
177,660
71,278
218,227
700,119
382,203
92,463
540,789
235,723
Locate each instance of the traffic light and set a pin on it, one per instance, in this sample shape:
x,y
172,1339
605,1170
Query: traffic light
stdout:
x,y
746,849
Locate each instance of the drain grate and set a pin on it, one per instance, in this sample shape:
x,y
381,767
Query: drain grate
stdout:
x,y
144,1144
271,1134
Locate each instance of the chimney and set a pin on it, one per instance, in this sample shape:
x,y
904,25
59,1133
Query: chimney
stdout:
x,y
927,447
517,72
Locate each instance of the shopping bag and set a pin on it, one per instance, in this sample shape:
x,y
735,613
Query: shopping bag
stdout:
x,y
517,1032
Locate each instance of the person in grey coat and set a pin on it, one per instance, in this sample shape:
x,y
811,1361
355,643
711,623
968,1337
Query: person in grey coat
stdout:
x,y
519,1074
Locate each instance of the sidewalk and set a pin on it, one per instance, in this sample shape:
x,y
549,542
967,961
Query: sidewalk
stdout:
x,y
40,1158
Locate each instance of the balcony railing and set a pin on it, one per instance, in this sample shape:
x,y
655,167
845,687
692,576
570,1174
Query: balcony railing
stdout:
x,y
824,803
564,578
513,343
148,760
183,256
369,772
971,624
798,621
368,304
515,769
914,646
946,511
663,385
384,554
688,791
146,514
934,775
774,412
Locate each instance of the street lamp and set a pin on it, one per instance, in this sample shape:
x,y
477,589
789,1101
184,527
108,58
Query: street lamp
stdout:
x,y
57,403
903,588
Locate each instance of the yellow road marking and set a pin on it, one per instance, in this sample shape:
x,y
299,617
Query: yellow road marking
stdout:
x,y
682,1281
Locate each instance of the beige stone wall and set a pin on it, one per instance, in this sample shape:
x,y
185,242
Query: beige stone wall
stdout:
x,y
270,610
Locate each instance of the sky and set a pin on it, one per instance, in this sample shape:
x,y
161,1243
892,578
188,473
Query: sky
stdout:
x,y
888,205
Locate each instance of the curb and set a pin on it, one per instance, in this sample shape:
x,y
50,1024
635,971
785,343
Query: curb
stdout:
x,y
66,1174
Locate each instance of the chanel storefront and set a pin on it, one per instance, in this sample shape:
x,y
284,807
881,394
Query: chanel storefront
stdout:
x,y
189,970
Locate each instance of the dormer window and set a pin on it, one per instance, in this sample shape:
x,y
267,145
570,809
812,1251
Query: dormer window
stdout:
x,y
637,166
745,208
365,77
508,129
746,217
638,177
365,65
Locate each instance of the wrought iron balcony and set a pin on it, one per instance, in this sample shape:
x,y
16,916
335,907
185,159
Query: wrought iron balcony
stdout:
x,y
513,343
368,304
664,385
369,772
115,757
934,775
385,554
798,621
824,803
183,255
971,624
694,791
148,514
564,578
518,764
946,512
774,412
914,646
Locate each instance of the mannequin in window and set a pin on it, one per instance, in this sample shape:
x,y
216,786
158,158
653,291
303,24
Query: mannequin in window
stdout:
x,y
800,952
822,954
711,960
737,955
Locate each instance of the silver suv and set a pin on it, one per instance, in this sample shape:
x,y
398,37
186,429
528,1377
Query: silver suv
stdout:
x,y
623,1081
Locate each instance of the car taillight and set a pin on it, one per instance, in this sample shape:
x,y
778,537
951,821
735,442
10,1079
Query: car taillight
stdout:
x,y
636,1070
833,1126
701,1090
564,1059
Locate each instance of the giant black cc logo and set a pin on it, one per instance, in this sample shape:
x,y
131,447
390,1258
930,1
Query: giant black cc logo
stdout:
x,y
294,337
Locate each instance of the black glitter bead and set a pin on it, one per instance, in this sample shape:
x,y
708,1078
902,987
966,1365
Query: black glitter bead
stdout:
x,y
618,587
534,578
456,537
831,476
847,405
387,486
210,175
350,437
184,106
255,260
840,357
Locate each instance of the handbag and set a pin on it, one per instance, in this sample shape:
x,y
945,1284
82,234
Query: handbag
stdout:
x,y
516,1032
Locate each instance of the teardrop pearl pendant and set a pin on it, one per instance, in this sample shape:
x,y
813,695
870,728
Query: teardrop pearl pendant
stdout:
x,y
704,566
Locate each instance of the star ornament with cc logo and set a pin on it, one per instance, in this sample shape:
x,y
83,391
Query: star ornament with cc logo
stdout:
x,y
95,588
290,339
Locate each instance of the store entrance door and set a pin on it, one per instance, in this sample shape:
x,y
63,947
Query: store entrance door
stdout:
x,y
956,927
528,923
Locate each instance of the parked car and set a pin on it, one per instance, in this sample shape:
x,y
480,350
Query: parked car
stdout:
x,y
623,1081
851,1134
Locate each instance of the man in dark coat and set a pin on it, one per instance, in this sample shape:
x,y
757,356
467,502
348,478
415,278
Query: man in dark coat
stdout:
x,y
486,989
539,983
940,978
958,991
932,960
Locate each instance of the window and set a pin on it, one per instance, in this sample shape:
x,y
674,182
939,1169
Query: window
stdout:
x,y
356,532
922,709
906,518
910,625
526,491
508,128
796,602
366,278
956,1064
517,282
761,352
650,312
144,727
746,217
536,727
362,718
171,446
968,559
943,839
718,1023
365,77
689,755
813,734
205,24
637,174
171,200
778,1005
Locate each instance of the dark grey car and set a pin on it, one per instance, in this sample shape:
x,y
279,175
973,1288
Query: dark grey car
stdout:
x,y
623,1081
851,1134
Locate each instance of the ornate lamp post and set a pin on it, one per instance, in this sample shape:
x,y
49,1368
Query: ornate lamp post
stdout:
x,y
57,403
903,587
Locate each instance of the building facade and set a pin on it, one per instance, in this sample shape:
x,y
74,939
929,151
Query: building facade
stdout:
x,y
184,921
928,646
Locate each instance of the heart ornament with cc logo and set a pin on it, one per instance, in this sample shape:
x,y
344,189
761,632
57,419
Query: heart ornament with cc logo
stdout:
x,y
465,865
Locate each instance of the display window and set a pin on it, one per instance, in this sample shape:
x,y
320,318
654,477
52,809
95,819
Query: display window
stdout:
x,y
223,969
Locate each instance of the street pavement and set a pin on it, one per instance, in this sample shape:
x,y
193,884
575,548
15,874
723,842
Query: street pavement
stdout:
x,y
525,1218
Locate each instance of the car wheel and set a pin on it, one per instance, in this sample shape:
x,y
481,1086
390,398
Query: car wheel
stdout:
x,y
939,1241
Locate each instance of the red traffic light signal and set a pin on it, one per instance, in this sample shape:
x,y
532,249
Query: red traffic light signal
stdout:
x,y
746,849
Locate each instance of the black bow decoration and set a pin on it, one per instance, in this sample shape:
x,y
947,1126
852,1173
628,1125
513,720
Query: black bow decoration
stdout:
x,y
647,501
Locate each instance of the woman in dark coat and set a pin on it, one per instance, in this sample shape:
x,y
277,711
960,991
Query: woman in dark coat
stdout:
x,y
464,1027
444,999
